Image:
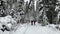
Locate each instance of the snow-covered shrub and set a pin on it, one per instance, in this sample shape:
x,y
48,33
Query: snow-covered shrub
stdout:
x,y
58,27
54,26
8,21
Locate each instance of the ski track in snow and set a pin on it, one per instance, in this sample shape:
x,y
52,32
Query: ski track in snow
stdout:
x,y
37,29
40,30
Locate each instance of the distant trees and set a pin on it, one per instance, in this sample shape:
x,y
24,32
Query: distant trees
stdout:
x,y
50,6
51,13
27,11
10,3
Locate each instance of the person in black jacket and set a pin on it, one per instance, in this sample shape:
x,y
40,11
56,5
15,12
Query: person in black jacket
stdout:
x,y
33,22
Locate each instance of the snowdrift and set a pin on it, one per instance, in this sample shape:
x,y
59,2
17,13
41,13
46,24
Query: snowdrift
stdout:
x,y
8,21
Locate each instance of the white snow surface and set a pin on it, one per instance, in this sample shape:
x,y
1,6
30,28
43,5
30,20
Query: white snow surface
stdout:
x,y
35,29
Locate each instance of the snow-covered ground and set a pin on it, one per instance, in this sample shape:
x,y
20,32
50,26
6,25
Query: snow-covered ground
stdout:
x,y
33,29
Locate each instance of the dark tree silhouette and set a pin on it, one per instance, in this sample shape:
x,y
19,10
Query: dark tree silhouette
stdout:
x,y
51,13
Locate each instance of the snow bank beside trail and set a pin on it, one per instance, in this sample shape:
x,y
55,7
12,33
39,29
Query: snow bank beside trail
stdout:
x,y
53,26
8,21
5,32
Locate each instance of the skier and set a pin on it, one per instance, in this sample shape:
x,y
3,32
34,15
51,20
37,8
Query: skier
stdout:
x,y
34,22
31,22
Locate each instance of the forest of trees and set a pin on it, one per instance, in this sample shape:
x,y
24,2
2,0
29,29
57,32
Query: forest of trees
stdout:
x,y
50,5
25,12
